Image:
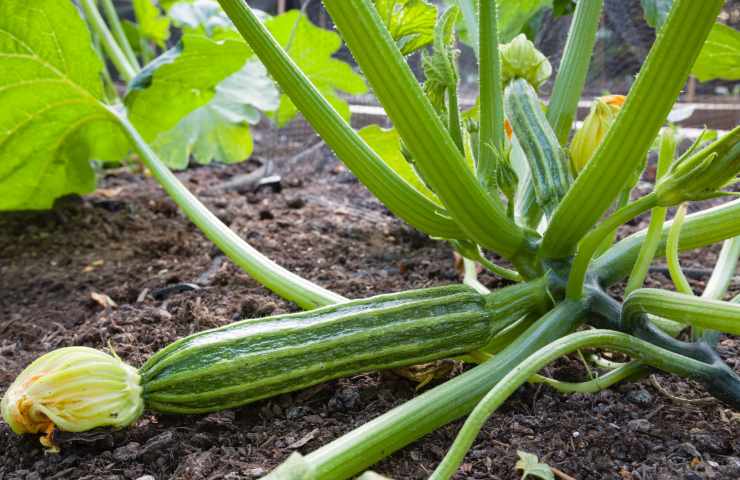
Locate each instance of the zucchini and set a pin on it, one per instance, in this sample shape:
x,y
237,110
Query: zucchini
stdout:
x,y
79,388
254,359
547,160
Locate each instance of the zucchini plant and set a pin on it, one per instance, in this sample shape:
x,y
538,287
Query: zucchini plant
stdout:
x,y
502,177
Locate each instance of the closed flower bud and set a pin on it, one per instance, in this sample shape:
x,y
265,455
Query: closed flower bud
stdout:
x,y
702,175
521,59
73,389
587,140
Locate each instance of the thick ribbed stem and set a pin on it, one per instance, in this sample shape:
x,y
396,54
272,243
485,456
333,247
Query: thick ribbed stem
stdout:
x,y
480,215
650,246
391,189
591,242
687,309
574,67
491,94
700,229
649,101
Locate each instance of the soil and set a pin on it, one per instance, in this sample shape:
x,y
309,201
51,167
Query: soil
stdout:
x,y
128,241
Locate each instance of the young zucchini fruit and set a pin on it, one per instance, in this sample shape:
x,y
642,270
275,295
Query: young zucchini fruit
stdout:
x,y
79,388
547,160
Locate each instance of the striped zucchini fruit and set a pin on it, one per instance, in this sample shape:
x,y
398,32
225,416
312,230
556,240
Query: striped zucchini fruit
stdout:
x,y
254,359
548,162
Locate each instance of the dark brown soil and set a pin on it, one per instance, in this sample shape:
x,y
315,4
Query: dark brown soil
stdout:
x,y
128,241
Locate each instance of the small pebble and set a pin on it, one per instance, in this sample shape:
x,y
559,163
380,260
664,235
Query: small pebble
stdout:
x,y
639,397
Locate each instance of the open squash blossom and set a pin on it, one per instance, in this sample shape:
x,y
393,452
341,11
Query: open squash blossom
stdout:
x,y
521,59
586,140
73,389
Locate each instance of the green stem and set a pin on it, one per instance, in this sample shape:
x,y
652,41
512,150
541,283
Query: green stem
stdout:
x,y
481,216
362,447
453,113
608,241
602,362
115,24
598,384
722,275
402,199
471,277
467,7
635,347
593,239
724,271
111,92
125,69
573,69
508,335
649,101
499,270
671,252
699,230
687,309
491,94
284,283
146,50
668,147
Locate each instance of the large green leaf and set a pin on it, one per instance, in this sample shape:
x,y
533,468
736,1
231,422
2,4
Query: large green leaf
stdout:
x,y
312,49
411,22
720,56
219,130
200,16
51,121
180,81
387,144
513,15
152,25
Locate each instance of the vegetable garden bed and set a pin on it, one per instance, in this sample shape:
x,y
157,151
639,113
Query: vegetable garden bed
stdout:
x,y
128,241
135,319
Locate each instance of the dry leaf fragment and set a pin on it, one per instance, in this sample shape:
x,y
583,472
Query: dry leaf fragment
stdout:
x,y
103,300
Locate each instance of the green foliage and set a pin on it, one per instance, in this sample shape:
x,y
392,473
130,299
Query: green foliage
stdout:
x,y
514,15
151,24
206,112
411,22
387,144
176,84
720,57
529,464
440,67
199,16
52,123
656,11
219,130
563,7
311,48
